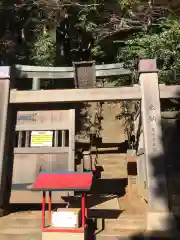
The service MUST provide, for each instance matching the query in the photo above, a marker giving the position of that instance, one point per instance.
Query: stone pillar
(6, 136)
(158, 218)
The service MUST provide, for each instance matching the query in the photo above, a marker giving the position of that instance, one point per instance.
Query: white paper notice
(41, 138)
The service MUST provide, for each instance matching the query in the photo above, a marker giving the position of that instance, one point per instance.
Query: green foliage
(128, 5)
(163, 44)
(87, 17)
(44, 50)
(97, 51)
(91, 28)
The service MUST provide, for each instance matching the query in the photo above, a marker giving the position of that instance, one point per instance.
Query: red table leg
(49, 207)
(83, 210)
(86, 214)
(43, 209)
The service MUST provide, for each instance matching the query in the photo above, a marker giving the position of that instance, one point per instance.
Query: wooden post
(36, 83)
(6, 139)
(159, 217)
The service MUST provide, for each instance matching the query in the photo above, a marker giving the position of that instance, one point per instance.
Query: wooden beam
(170, 115)
(171, 91)
(41, 150)
(88, 95)
(75, 95)
(105, 70)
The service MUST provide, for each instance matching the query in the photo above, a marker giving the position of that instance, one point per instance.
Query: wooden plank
(39, 150)
(43, 120)
(151, 118)
(25, 71)
(41, 127)
(75, 95)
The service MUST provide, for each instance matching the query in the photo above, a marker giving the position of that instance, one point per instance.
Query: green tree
(163, 43)
(44, 50)
(85, 28)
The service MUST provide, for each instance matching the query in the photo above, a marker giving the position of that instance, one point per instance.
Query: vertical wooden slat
(71, 163)
(71, 157)
(63, 137)
(67, 138)
(55, 138)
(27, 140)
(19, 139)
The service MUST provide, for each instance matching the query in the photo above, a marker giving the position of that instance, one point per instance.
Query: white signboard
(64, 219)
(41, 138)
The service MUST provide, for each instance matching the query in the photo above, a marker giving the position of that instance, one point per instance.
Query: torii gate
(149, 92)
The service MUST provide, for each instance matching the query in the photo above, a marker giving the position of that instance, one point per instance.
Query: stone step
(126, 222)
(20, 217)
(107, 203)
(135, 234)
(30, 222)
(112, 168)
(21, 226)
(20, 230)
(114, 174)
(21, 223)
(117, 235)
(27, 236)
(112, 161)
(118, 159)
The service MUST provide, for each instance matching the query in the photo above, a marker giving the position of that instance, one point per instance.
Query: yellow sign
(41, 138)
